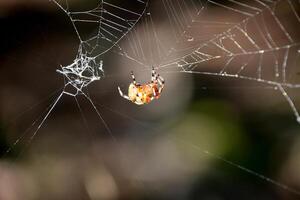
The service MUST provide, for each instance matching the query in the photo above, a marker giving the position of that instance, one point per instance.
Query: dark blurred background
(159, 148)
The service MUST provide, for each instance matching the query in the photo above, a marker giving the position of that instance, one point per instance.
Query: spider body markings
(141, 94)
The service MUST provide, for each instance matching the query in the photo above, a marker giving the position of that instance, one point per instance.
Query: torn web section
(81, 73)
(99, 27)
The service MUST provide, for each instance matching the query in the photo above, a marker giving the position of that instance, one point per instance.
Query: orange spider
(141, 94)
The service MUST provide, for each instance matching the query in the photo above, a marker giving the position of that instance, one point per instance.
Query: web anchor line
(277, 86)
(40, 125)
(214, 156)
(240, 167)
(51, 109)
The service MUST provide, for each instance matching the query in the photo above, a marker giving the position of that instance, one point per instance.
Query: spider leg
(156, 76)
(160, 80)
(154, 92)
(152, 98)
(123, 95)
(133, 78)
(160, 89)
(153, 75)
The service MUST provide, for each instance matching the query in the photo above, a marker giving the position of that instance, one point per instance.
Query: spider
(141, 94)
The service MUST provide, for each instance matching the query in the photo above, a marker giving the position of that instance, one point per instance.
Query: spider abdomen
(143, 94)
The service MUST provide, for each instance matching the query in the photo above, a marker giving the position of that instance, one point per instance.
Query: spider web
(252, 40)
(255, 42)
